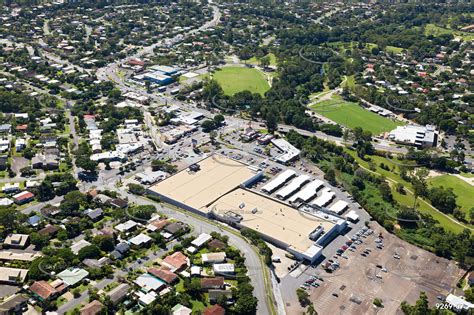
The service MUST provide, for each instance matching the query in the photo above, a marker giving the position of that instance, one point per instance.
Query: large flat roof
(272, 218)
(217, 176)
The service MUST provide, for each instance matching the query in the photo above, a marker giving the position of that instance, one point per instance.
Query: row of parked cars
(311, 282)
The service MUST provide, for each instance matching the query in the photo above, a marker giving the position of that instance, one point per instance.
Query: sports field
(352, 115)
(237, 79)
(463, 191)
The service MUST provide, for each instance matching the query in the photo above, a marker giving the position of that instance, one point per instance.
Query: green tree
(104, 242)
(421, 306)
(8, 219)
(469, 295)
(419, 184)
(219, 119)
(90, 251)
(330, 176)
(136, 189)
(265, 61)
(311, 310)
(443, 199)
(385, 191)
(115, 94)
(271, 121)
(39, 240)
(377, 302)
(208, 125)
(303, 297)
(45, 191)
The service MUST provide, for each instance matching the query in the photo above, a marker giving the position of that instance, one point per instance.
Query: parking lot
(394, 272)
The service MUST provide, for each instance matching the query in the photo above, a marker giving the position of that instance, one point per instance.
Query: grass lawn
(197, 306)
(352, 115)
(393, 49)
(255, 61)
(467, 175)
(237, 79)
(463, 191)
(61, 301)
(83, 287)
(435, 30)
(350, 82)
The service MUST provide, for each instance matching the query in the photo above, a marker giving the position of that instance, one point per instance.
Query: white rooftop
(293, 186)
(308, 192)
(326, 197)
(202, 239)
(339, 206)
(278, 181)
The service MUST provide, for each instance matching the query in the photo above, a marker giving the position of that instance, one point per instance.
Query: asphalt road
(252, 259)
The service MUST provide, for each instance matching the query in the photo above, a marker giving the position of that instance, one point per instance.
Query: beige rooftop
(272, 218)
(217, 176)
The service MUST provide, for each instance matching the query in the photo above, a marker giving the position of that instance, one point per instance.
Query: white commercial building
(280, 180)
(339, 206)
(326, 197)
(289, 151)
(420, 136)
(308, 192)
(293, 186)
(352, 216)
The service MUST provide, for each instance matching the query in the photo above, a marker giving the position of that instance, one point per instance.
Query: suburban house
(179, 309)
(140, 240)
(164, 274)
(44, 290)
(149, 283)
(212, 258)
(128, 226)
(223, 269)
(174, 227)
(212, 283)
(214, 310)
(92, 308)
(95, 214)
(48, 230)
(12, 275)
(216, 244)
(72, 276)
(18, 241)
(23, 197)
(76, 247)
(45, 162)
(175, 262)
(118, 203)
(157, 225)
(118, 293)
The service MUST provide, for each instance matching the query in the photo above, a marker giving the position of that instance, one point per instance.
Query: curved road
(202, 225)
